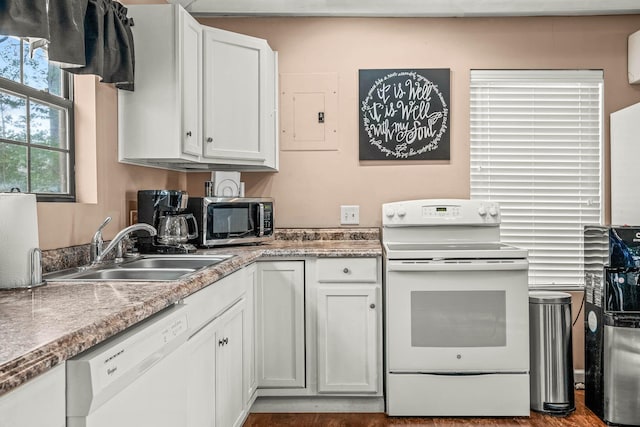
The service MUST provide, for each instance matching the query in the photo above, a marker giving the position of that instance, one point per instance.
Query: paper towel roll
(18, 238)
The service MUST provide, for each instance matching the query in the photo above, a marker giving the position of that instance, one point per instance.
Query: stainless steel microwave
(232, 220)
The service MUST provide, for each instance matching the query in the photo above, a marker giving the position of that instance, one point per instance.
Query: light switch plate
(349, 214)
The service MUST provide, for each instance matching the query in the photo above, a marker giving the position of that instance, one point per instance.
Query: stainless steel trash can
(551, 355)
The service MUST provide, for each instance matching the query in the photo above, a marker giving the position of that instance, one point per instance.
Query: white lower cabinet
(320, 334)
(347, 341)
(201, 382)
(280, 321)
(230, 395)
(40, 402)
(347, 314)
(250, 336)
(215, 390)
(218, 352)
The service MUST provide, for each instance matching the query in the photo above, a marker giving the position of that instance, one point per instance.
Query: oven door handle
(489, 265)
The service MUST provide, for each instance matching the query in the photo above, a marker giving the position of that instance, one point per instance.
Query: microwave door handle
(261, 219)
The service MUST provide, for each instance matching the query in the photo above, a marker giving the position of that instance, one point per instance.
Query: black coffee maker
(164, 210)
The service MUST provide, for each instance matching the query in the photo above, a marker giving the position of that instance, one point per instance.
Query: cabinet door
(235, 84)
(39, 402)
(201, 381)
(230, 402)
(251, 361)
(347, 346)
(191, 67)
(280, 321)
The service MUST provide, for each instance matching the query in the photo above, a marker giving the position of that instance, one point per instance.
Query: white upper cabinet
(160, 121)
(190, 36)
(239, 88)
(232, 81)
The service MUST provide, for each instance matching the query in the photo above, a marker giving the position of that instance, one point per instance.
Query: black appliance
(612, 323)
(153, 208)
(232, 220)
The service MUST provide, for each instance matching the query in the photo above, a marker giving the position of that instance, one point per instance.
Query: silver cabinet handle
(346, 270)
(189, 133)
(372, 305)
(209, 139)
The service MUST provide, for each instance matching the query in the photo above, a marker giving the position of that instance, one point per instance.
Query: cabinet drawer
(347, 270)
(208, 303)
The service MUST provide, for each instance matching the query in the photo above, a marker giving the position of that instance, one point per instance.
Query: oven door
(464, 316)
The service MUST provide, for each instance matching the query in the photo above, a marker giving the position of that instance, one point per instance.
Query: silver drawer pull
(346, 270)
(372, 305)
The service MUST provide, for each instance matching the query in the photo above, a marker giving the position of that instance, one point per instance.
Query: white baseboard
(318, 404)
(336, 404)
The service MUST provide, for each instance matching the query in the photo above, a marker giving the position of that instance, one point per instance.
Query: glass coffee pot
(177, 229)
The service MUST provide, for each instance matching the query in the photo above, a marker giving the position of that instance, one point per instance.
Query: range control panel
(440, 212)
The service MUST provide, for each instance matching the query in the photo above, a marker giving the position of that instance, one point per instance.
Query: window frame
(64, 101)
(480, 188)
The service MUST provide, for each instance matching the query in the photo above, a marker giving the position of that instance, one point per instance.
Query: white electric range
(456, 310)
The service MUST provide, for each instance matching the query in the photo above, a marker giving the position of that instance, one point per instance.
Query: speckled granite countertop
(42, 327)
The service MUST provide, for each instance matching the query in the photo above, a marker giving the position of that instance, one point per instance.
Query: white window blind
(536, 149)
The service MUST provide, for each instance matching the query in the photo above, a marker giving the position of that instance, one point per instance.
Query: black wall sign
(404, 114)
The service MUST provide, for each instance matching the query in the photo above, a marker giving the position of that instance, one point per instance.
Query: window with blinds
(536, 149)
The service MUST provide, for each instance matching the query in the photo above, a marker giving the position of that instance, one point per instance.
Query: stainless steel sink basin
(182, 261)
(135, 274)
(145, 268)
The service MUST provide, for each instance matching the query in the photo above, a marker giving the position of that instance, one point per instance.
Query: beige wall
(105, 186)
(311, 186)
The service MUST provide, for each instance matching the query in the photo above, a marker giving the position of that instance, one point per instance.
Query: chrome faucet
(97, 253)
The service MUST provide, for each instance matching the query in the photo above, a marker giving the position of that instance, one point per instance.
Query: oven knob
(402, 212)
(493, 211)
(389, 212)
(482, 211)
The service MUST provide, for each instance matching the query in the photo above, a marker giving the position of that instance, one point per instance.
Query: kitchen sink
(135, 274)
(182, 261)
(145, 268)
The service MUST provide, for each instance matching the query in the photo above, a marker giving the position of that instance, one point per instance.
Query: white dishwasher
(135, 379)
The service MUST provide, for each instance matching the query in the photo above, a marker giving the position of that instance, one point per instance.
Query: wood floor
(582, 417)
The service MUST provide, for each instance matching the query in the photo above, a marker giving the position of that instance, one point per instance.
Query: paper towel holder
(36, 272)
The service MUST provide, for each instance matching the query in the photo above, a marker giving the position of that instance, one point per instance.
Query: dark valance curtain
(84, 36)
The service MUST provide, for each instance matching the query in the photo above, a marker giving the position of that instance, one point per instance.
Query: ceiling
(405, 8)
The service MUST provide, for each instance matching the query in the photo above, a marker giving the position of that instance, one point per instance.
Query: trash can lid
(548, 297)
